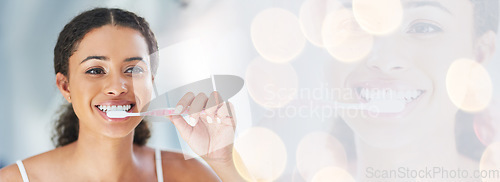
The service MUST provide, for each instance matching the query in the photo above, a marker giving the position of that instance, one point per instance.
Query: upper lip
(383, 84)
(115, 103)
(394, 85)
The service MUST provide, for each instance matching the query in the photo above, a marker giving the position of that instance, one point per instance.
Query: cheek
(436, 59)
(142, 88)
(80, 90)
(336, 73)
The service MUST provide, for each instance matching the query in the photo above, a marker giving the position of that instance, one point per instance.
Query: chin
(120, 130)
(385, 142)
(390, 134)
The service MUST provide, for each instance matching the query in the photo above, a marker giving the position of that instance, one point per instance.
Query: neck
(109, 158)
(434, 149)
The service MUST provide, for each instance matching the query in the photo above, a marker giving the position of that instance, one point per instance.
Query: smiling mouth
(107, 108)
(372, 94)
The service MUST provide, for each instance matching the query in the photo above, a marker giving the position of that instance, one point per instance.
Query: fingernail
(178, 109)
(218, 120)
(209, 119)
(192, 121)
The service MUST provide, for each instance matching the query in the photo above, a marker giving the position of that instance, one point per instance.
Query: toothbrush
(378, 106)
(157, 112)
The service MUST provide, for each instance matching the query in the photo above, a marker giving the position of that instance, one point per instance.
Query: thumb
(181, 125)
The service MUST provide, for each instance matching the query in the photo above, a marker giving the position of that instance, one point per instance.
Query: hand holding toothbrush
(209, 129)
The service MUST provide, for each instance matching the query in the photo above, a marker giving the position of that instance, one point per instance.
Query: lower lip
(105, 116)
(408, 108)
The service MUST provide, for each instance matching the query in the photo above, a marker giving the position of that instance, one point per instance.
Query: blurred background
(218, 36)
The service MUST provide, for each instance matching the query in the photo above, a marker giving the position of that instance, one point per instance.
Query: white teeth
(114, 108)
(389, 94)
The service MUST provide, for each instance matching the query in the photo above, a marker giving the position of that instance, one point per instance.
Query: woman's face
(410, 64)
(110, 70)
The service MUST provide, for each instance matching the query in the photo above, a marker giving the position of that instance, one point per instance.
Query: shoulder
(467, 163)
(47, 159)
(185, 168)
(36, 166)
(10, 173)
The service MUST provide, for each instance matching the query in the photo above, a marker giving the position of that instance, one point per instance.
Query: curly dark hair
(485, 16)
(67, 126)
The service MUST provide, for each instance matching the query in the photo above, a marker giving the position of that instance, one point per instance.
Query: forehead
(445, 5)
(113, 39)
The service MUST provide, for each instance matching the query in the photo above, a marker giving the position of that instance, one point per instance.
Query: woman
(97, 58)
(410, 64)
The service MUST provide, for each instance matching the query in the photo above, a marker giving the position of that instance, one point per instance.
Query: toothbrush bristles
(116, 114)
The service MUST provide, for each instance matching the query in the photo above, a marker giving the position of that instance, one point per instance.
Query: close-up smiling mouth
(370, 94)
(106, 108)
(378, 92)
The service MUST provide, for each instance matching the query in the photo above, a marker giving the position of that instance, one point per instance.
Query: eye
(134, 70)
(95, 71)
(424, 28)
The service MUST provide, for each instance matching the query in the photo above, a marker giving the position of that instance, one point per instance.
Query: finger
(214, 102)
(178, 121)
(185, 101)
(226, 113)
(196, 108)
(182, 126)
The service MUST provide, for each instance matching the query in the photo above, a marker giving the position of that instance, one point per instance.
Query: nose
(387, 57)
(116, 86)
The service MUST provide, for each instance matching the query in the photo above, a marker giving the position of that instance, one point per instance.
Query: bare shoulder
(468, 163)
(10, 173)
(176, 166)
(37, 166)
(47, 159)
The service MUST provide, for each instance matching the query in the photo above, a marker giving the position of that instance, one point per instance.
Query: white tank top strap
(24, 175)
(159, 166)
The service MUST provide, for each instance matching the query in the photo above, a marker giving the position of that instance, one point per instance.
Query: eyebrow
(104, 58)
(417, 4)
(135, 59)
(412, 4)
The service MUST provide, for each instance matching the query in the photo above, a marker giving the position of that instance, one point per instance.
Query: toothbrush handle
(162, 112)
(340, 105)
